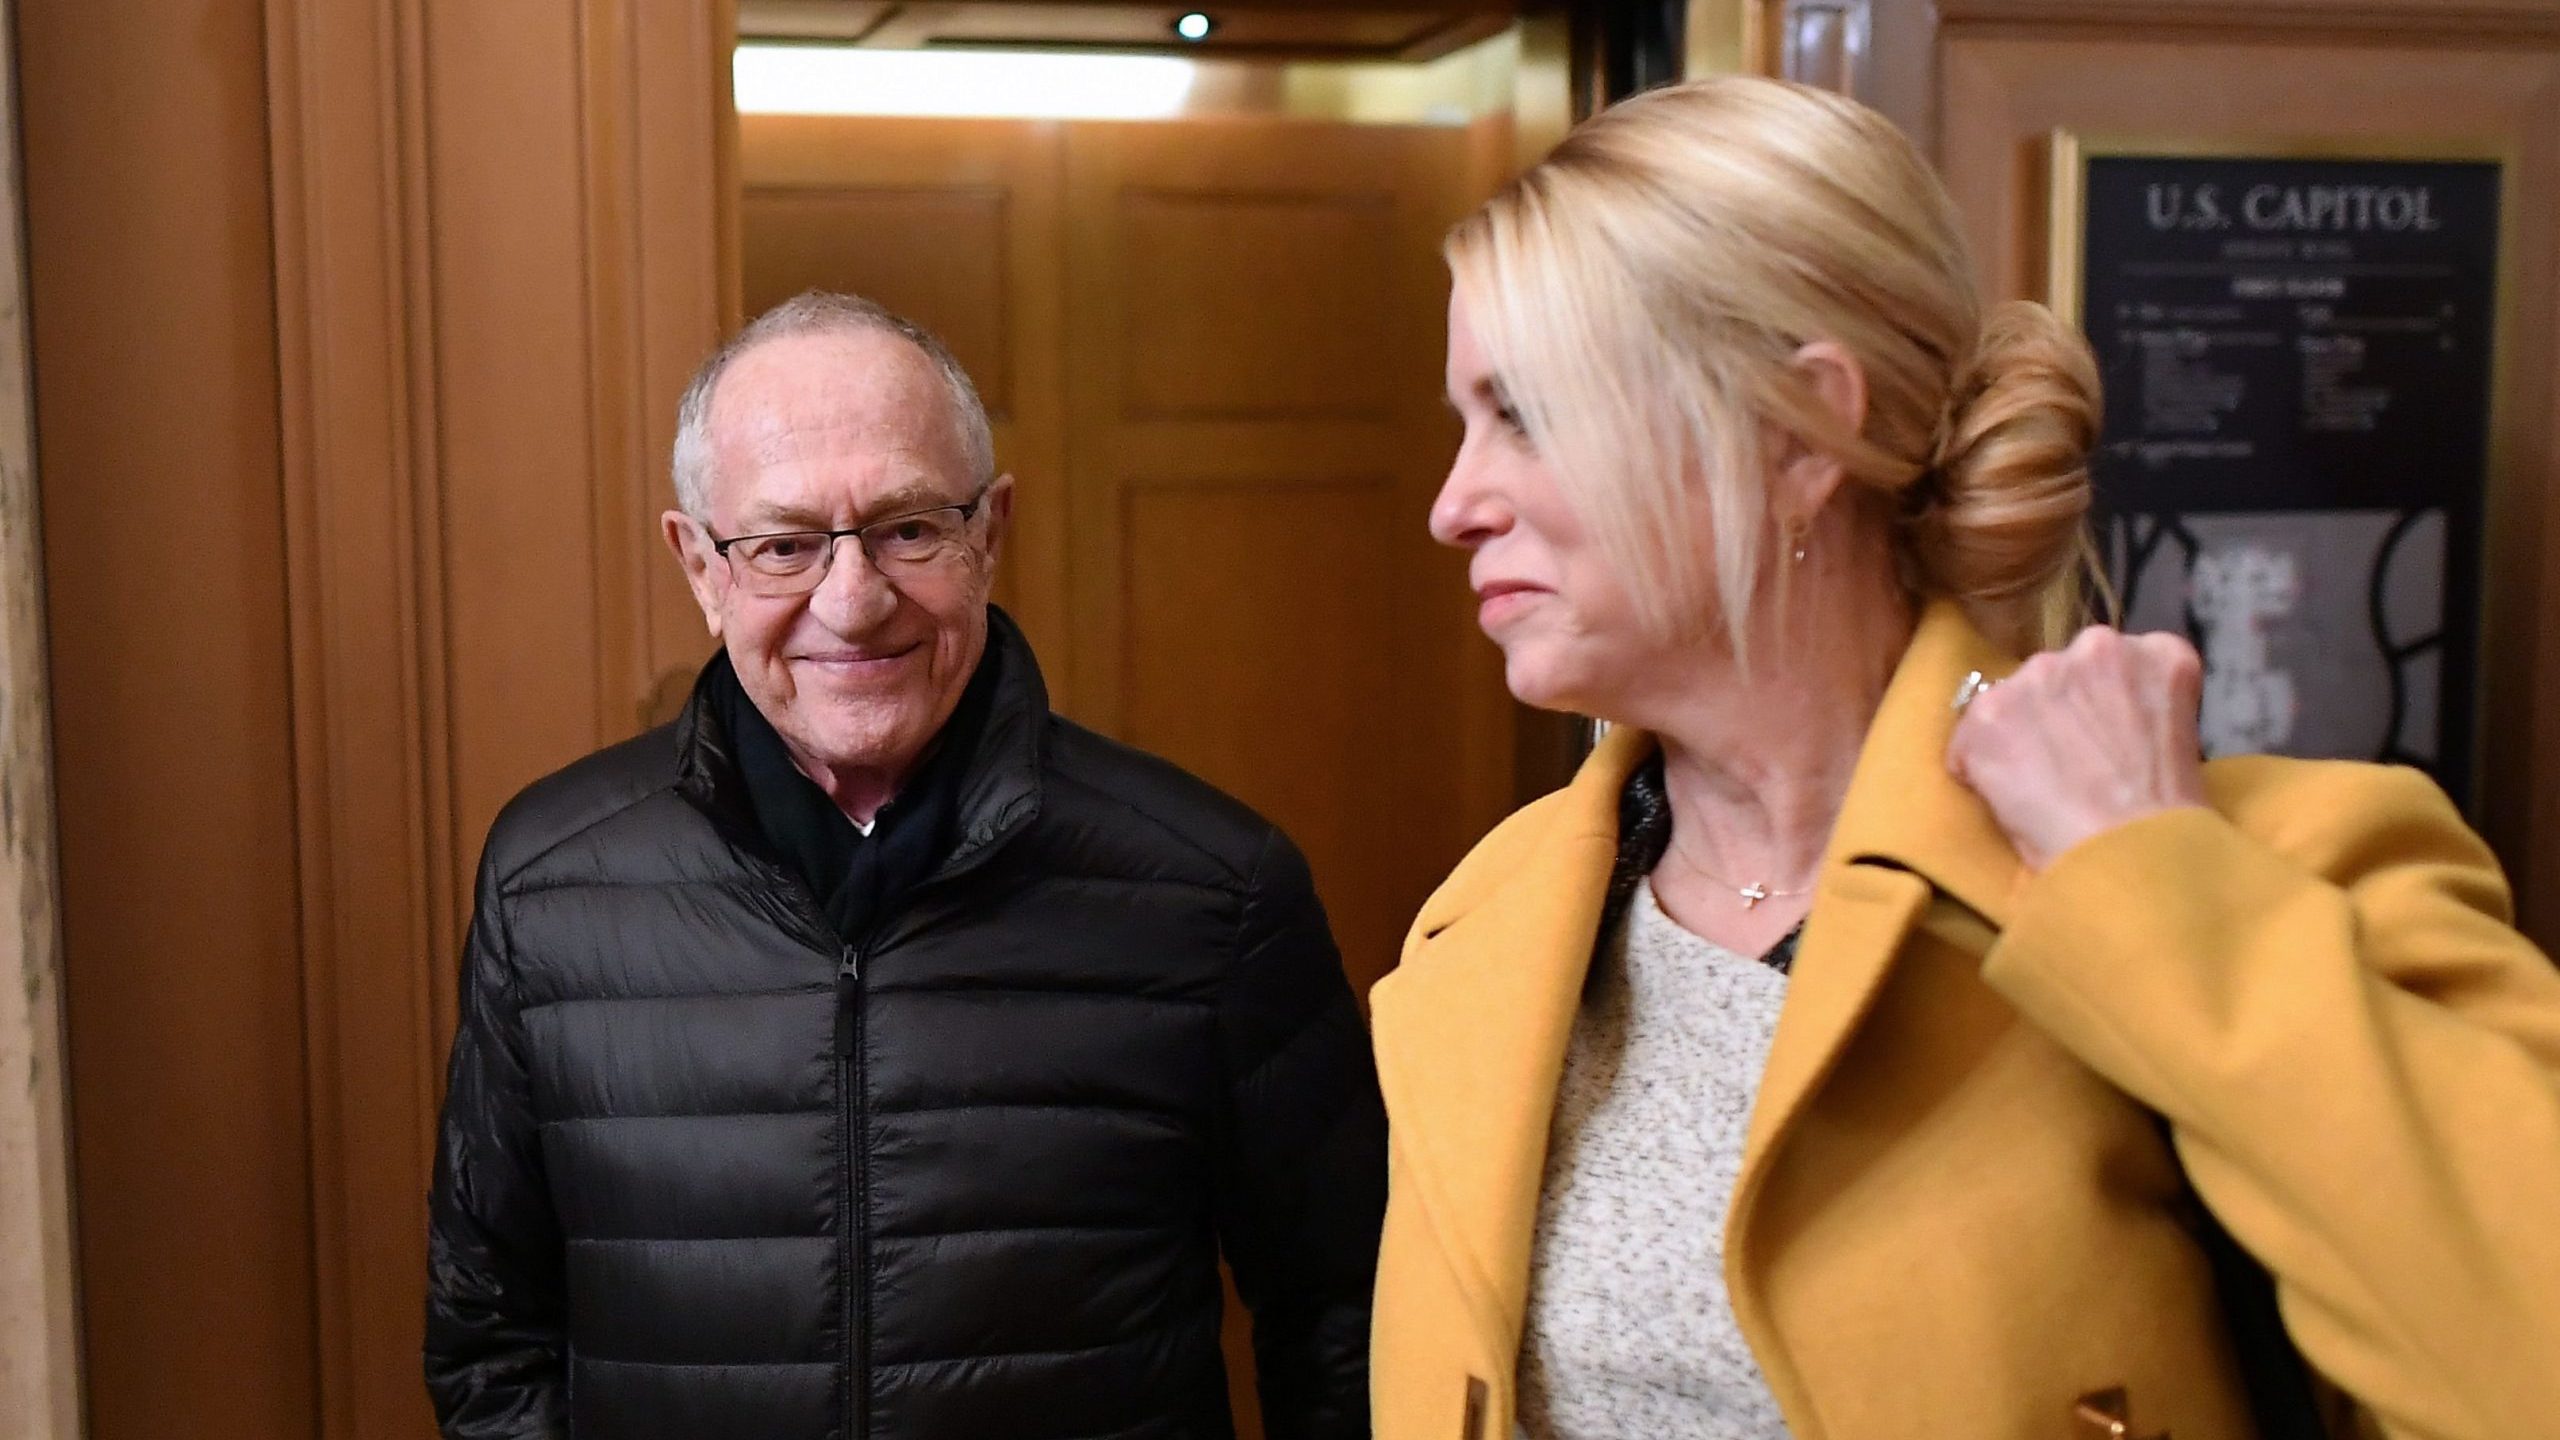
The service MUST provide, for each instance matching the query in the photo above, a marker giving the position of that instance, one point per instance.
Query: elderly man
(872, 1053)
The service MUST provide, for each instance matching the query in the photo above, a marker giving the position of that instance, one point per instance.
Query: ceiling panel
(811, 19)
(1323, 28)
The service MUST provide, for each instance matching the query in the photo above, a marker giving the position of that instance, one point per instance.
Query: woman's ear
(1836, 379)
(1809, 474)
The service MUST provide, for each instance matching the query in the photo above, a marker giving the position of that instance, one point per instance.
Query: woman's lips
(1503, 599)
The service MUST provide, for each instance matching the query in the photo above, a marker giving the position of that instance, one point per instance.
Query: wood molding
(363, 570)
(661, 107)
(374, 308)
(617, 432)
(1910, 39)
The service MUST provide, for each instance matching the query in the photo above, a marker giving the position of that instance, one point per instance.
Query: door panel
(1255, 306)
(1255, 433)
(1258, 597)
(941, 249)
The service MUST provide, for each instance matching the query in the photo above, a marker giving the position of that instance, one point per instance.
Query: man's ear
(999, 518)
(692, 546)
(1808, 475)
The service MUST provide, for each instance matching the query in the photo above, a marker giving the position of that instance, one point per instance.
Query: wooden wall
(153, 311)
(358, 326)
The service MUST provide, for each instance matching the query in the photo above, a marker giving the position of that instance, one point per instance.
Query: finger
(2095, 640)
(2171, 655)
(1973, 731)
(2172, 675)
(2162, 647)
(2111, 654)
(2034, 677)
(1960, 741)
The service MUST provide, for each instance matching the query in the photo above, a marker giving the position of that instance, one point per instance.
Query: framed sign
(2296, 466)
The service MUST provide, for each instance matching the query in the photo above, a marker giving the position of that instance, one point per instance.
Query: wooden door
(1254, 342)
(1255, 313)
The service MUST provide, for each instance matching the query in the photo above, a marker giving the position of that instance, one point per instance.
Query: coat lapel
(1907, 830)
(1472, 1028)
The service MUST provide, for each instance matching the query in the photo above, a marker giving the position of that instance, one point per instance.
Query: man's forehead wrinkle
(876, 394)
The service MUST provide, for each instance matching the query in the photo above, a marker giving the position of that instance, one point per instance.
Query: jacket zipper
(852, 1235)
(853, 1179)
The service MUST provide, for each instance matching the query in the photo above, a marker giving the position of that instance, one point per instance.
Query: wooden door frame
(1907, 37)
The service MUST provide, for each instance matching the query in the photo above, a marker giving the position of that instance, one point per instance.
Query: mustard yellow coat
(1957, 1215)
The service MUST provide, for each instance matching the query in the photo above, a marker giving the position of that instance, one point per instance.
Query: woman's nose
(1468, 511)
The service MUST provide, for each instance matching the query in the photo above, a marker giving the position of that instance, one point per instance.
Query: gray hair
(820, 312)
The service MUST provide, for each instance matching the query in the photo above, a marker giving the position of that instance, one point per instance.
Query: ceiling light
(841, 80)
(1195, 26)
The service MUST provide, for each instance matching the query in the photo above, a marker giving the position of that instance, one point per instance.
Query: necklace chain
(1753, 893)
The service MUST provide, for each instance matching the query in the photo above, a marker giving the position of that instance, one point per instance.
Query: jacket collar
(1904, 808)
(998, 788)
(1472, 1031)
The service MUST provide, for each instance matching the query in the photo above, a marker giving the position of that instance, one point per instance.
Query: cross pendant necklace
(1753, 893)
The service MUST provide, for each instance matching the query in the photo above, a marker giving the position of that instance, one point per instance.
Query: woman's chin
(1541, 686)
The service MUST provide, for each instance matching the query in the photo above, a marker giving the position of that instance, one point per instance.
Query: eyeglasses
(789, 562)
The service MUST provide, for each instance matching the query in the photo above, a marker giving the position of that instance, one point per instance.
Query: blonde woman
(1855, 1051)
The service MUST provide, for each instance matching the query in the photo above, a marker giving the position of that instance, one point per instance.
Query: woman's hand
(2085, 739)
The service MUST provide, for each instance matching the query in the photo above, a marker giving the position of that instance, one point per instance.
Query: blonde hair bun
(1999, 519)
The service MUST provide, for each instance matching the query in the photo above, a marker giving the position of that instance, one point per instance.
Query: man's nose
(1468, 511)
(853, 595)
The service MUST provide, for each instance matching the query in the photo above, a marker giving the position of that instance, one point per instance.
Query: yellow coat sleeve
(2318, 985)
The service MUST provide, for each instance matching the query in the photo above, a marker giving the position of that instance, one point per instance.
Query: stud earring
(1796, 532)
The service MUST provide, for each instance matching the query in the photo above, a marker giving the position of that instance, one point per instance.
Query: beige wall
(39, 1349)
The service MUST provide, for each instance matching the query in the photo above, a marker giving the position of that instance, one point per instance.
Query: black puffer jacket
(1106, 1039)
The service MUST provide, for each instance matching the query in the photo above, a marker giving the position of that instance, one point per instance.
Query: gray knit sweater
(1630, 1332)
